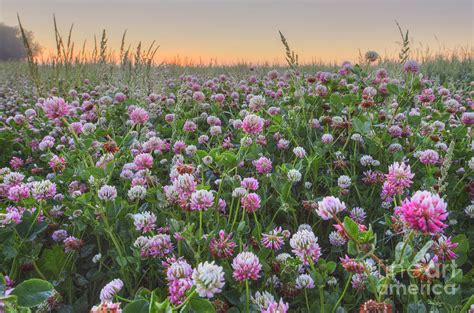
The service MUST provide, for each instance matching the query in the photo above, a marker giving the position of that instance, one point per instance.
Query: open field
(135, 187)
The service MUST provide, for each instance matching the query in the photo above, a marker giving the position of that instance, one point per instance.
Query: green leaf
(351, 248)
(32, 292)
(361, 125)
(201, 305)
(138, 306)
(335, 99)
(52, 261)
(348, 99)
(393, 89)
(159, 307)
(351, 227)
(331, 266)
(422, 252)
(228, 159)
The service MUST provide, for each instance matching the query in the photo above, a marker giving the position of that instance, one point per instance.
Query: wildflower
(107, 193)
(372, 306)
(256, 103)
(327, 138)
(185, 185)
(222, 246)
(469, 210)
(352, 265)
(359, 281)
(246, 265)
(107, 307)
(299, 152)
(371, 56)
(42, 190)
(18, 192)
(144, 222)
(252, 124)
(201, 200)
(443, 249)
(13, 178)
(304, 281)
(55, 108)
(358, 214)
(263, 165)
(72, 243)
(250, 202)
(426, 270)
(277, 307)
(189, 127)
(110, 290)
(294, 176)
(424, 212)
(304, 244)
(208, 279)
(138, 116)
(400, 176)
(344, 182)
(16, 163)
(199, 96)
(273, 240)
(136, 193)
(249, 183)
(156, 246)
(59, 235)
(143, 161)
(263, 299)
(467, 118)
(96, 258)
(336, 239)
(411, 66)
(429, 157)
(330, 206)
(57, 164)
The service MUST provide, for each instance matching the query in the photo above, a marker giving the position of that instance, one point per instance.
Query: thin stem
(410, 237)
(342, 294)
(306, 298)
(247, 296)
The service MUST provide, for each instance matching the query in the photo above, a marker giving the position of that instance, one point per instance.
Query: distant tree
(12, 47)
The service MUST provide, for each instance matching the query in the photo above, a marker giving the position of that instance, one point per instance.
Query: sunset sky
(243, 30)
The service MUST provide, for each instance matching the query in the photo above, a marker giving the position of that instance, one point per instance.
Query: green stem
(247, 296)
(306, 298)
(342, 294)
(39, 271)
(410, 237)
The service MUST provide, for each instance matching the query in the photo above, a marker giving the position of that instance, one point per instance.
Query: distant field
(142, 187)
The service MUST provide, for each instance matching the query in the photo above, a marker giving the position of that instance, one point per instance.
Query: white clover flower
(208, 279)
(471, 163)
(366, 160)
(136, 193)
(97, 258)
(263, 299)
(107, 193)
(357, 138)
(282, 257)
(239, 192)
(299, 152)
(294, 176)
(344, 182)
(330, 206)
(304, 281)
(469, 210)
